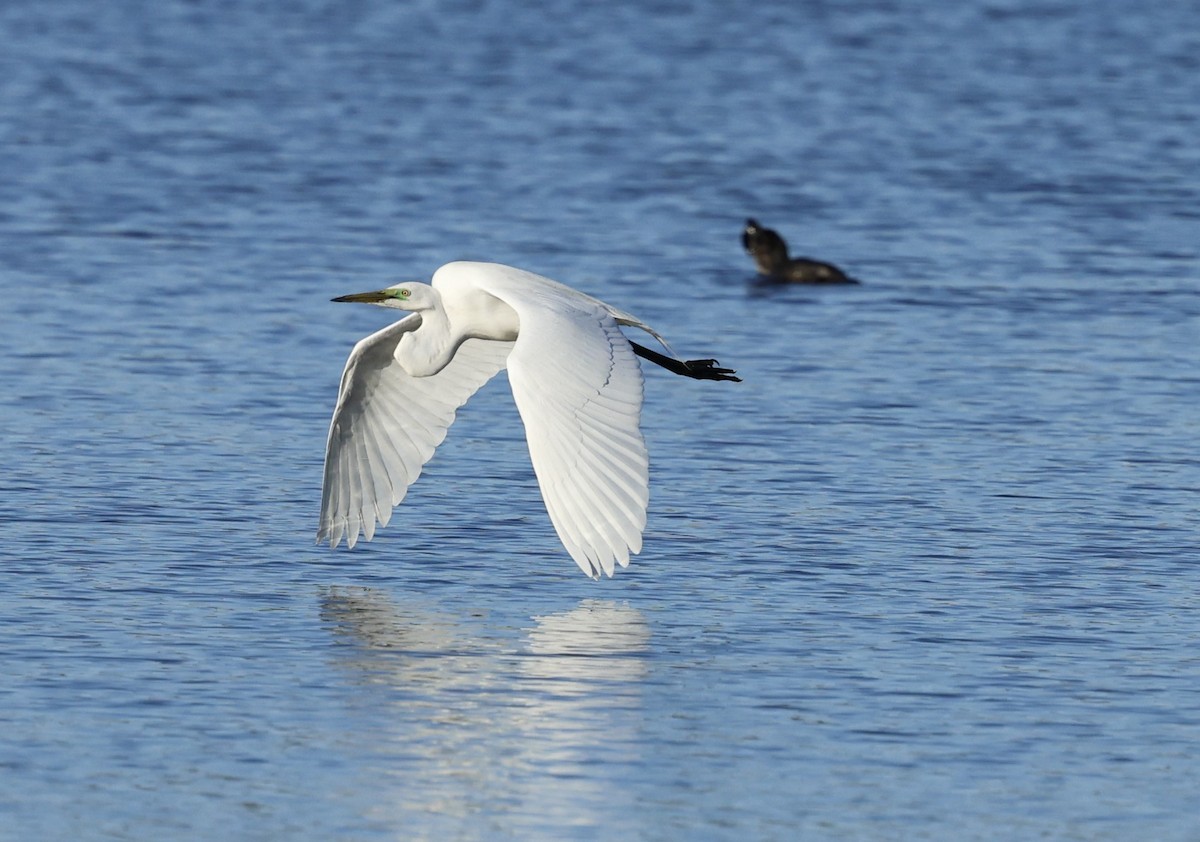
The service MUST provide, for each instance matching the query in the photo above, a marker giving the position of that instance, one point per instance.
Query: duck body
(770, 253)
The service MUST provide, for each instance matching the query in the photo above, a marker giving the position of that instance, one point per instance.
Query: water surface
(927, 573)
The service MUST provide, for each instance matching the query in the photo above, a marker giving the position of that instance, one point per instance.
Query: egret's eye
(403, 293)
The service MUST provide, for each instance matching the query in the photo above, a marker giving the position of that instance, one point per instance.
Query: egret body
(575, 381)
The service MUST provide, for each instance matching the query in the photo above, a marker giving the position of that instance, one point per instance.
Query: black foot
(709, 370)
(696, 369)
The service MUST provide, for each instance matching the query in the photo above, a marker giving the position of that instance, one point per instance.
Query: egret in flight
(575, 381)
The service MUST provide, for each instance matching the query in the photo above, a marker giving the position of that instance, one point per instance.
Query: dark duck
(770, 254)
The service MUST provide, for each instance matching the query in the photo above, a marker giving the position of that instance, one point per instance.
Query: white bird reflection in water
(598, 640)
(476, 724)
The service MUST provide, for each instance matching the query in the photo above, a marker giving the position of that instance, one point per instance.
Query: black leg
(697, 369)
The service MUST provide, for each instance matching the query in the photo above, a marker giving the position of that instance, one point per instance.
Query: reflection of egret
(370, 619)
(574, 378)
(476, 726)
(598, 640)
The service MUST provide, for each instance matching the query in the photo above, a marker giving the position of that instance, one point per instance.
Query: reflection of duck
(770, 255)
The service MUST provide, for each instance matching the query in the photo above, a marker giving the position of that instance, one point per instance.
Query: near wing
(387, 425)
(578, 387)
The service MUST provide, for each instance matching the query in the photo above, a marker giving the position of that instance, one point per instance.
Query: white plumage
(574, 377)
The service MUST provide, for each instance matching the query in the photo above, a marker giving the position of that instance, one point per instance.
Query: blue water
(929, 572)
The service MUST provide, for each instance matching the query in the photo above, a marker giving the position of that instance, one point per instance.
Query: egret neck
(430, 348)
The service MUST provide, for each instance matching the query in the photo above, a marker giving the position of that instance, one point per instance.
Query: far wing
(387, 425)
(578, 388)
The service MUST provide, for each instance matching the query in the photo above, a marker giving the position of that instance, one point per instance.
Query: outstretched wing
(578, 387)
(387, 425)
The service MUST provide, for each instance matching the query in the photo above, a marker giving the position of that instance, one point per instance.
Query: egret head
(412, 295)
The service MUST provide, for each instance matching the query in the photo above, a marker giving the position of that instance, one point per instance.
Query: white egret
(574, 379)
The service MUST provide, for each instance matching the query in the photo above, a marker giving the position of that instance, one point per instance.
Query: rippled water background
(930, 572)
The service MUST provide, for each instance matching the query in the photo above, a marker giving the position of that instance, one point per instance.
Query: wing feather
(387, 424)
(578, 387)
